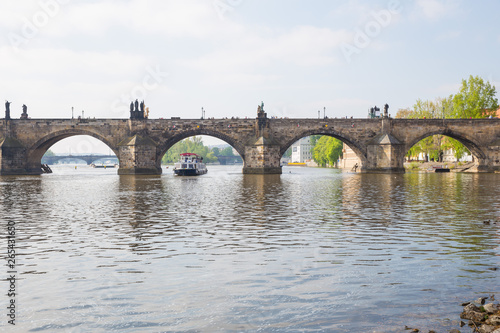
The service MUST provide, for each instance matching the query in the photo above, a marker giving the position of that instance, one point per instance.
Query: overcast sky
(229, 55)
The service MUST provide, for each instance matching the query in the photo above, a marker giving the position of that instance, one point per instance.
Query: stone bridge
(140, 144)
(89, 159)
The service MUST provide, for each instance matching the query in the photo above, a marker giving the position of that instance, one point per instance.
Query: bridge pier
(262, 158)
(385, 154)
(137, 156)
(13, 159)
(491, 162)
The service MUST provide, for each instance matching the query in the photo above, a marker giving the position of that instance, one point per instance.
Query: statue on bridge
(7, 109)
(386, 110)
(141, 113)
(374, 112)
(260, 111)
(24, 115)
(262, 117)
(260, 108)
(135, 112)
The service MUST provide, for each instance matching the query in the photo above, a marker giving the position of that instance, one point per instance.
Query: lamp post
(319, 113)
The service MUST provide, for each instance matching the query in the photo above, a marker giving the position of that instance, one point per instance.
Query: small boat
(190, 164)
(104, 166)
(440, 168)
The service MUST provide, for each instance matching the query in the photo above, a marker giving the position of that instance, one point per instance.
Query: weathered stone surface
(472, 312)
(491, 308)
(137, 156)
(486, 329)
(493, 320)
(380, 144)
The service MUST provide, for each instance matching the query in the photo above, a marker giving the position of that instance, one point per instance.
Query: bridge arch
(166, 145)
(36, 151)
(473, 147)
(360, 152)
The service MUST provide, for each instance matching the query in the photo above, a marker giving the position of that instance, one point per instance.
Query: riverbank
(431, 166)
(482, 317)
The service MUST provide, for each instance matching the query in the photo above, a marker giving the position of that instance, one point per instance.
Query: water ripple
(310, 250)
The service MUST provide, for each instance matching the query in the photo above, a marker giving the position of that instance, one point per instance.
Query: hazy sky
(229, 55)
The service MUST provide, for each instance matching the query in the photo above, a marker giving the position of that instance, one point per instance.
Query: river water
(310, 250)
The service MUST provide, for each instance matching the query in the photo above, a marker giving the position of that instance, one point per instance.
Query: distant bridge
(223, 160)
(89, 159)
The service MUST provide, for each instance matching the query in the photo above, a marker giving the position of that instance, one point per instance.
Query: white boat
(190, 164)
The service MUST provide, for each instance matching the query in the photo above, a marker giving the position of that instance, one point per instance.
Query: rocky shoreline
(482, 317)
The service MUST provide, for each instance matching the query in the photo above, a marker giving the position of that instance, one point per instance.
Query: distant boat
(103, 166)
(438, 168)
(190, 164)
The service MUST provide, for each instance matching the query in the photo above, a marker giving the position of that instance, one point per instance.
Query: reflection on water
(308, 250)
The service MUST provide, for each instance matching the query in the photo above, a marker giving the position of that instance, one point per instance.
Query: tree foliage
(189, 145)
(423, 109)
(476, 99)
(49, 153)
(327, 150)
(228, 151)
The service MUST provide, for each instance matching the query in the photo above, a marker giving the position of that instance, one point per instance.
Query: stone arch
(38, 149)
(473, 147)
(358, 150)
(166, 145)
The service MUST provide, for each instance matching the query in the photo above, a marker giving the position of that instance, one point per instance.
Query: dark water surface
(310, 250)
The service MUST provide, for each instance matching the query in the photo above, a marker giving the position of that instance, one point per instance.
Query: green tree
(327, 150)
(49, 153)
(459, 149)
(313, 139)
(476, 99)
(404, 113)
(228, 151)
(189, 145)
(430, 146)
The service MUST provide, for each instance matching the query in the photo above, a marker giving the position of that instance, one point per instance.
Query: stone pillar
(490, 162)
(385, 154)
(262, 157)
(137, 156)
(13, 159)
